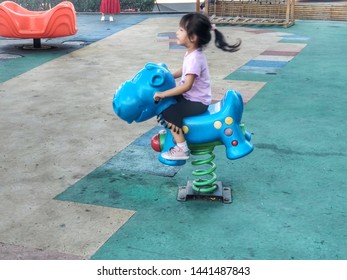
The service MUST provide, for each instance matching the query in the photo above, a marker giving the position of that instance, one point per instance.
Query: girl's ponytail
(222, 44)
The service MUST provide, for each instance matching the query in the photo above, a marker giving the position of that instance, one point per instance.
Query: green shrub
(86, 5)
(137, 5)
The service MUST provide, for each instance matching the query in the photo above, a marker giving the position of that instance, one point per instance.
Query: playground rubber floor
(76, 182)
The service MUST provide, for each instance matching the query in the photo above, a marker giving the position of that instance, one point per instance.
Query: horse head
(133, 101)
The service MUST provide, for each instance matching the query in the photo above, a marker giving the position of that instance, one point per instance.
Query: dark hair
(198, 24)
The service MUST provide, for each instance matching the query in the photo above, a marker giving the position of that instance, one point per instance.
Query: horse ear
(163, 65)
(150, 66)
(157, 79)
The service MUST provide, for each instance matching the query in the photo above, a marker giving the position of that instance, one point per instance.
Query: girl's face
(183, 39)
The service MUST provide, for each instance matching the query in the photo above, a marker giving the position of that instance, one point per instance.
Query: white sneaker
(176, 153)
(102, 18)
(111, 18)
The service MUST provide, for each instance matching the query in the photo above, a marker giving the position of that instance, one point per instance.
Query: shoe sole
(180, 158)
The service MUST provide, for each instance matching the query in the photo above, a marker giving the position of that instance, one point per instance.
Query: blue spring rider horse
(220, 125)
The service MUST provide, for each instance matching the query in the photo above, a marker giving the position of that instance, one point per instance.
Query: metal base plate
(41, 47)
(221, 193)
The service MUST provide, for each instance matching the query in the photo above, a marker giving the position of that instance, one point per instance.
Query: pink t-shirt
(195, 63)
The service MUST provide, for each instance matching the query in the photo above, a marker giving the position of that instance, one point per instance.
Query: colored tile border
(269, 62)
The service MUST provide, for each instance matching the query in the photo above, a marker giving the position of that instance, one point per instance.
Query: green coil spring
(204, 185)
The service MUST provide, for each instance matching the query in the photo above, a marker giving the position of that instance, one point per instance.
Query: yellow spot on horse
(185, 129)
(228, 120)
(217, 124)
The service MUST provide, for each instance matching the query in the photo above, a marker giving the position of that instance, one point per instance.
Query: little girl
(193, 93)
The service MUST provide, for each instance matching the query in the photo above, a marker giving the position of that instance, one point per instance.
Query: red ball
(155, 143)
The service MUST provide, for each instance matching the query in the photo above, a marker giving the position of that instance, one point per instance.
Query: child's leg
(181, 150)
(173, 117)
(179, 138)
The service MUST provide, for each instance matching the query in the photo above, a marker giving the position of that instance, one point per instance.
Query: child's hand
(157, 97)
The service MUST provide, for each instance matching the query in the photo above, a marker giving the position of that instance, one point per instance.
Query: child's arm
(180, 89)
(177, 73)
